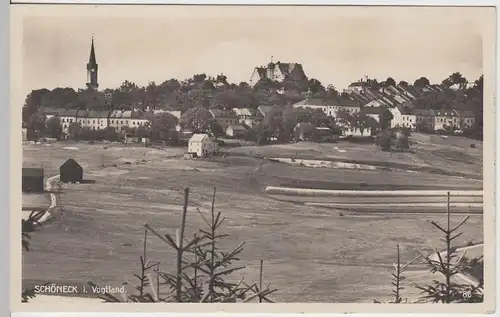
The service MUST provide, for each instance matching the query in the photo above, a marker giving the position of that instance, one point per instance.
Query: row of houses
(362, 97)
(420, 119)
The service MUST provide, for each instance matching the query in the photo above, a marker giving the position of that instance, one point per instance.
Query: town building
(201, 145)
(70, 172)
(236, 131)
(403, 117)
(358, 86)
(356, 132)
(372, 112)
(249, 117)
(224, 118)
(32, 180)
(329, 106)
(425, 120)
(277, 72)
(446, 119)
(466, 119)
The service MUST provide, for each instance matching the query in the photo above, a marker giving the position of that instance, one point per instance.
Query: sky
(335, 45)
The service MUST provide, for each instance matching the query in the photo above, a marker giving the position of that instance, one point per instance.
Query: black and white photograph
(255, 154)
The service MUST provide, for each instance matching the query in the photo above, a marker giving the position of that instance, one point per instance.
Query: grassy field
(311, 254)
(429, 153)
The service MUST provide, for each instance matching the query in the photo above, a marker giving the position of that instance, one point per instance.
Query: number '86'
(466, 294)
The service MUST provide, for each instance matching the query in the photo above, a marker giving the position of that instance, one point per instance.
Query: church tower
(92, 69)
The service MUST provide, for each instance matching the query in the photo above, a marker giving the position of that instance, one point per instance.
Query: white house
(201, 145)
(403, 117)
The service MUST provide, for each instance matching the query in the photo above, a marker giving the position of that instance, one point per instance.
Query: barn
(70, 172)
(32, 180)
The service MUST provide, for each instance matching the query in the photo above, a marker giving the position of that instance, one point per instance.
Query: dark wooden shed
(32, 180)
(70, 172)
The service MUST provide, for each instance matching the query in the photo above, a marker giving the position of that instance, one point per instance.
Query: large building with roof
(277, 71)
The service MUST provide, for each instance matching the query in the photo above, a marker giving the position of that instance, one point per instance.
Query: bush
(383, 140)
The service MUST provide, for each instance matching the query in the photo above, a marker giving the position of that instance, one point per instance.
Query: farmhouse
(70, 172)
(236, 131)
(32, 180)
(201, 145)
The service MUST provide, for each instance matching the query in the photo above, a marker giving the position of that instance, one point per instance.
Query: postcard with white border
(253, 158)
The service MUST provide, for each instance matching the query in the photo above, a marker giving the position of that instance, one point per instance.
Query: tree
(345, 120)
(162, 126)
(110, 134)
(402, 142)
(198, 119)
(53, 128)
(36, 124)
(383, 140)
(421, 82)
(385, 118)
(390, 81)
(272, 126)
(74, 131)
(331, 92)
(455, 78)
(315, 86)
(216, 129)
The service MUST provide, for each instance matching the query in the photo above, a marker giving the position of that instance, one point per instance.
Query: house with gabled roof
(236, 131)
(224, 117)
(248, 116)
(403, 116)
(264, 110)
(329, 106)
(201, 145)
(277, 71)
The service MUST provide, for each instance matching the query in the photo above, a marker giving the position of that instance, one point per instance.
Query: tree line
(196, 95)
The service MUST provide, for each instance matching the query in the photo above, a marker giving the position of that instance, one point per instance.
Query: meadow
(311, 254)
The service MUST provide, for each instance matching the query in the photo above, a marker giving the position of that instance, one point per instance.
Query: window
(121, 121)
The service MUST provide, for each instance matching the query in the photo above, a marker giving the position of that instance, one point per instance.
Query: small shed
(32, 180)
(71, 172)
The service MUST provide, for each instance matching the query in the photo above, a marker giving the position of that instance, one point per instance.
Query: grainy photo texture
(253, 155)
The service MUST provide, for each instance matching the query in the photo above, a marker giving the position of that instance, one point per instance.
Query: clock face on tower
(92, 70)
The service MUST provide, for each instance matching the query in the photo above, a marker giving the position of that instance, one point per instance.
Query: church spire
(92, 59)
(92, 68)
